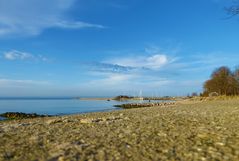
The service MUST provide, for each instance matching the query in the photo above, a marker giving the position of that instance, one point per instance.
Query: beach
(188, 130)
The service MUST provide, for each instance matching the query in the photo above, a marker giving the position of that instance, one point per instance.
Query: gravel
(187, 131)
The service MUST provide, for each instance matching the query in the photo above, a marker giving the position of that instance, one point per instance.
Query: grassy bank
(196, 130)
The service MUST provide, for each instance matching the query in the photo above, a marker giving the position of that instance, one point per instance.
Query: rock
(97, 120)
(219, 144)
(86, 121)
(54, 121)
(61, 158)
(162, 134)
(24, 124)
(21, 115)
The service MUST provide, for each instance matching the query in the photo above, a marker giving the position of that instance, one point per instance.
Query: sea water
(58, 106)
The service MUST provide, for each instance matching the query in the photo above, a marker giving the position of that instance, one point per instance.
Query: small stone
(127, 131)
(97, 120)
(120, 135)
(104, 119)
(24, 124)
(199, 149)
(126, 118)
(219, 143)
(162, 134)
(61, 158)
(67, 120)
(86, 121)
(202, 136)
(54, 121)
(101, 155)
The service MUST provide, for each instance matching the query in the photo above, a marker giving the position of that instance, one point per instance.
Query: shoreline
(22, 115)
(94, 99)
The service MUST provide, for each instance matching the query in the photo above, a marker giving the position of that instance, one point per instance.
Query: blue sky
(112, 47)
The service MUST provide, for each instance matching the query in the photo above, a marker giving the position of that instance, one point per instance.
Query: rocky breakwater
(140, 105)
(20, 115)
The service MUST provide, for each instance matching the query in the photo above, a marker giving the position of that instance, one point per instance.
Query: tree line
(223, 81)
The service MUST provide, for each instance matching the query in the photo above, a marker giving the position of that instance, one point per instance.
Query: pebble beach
(203, 130)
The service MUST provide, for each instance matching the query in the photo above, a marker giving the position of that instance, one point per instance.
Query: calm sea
(56, 106)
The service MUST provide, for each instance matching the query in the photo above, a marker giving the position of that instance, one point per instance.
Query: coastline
(189, 130)
(94, 99)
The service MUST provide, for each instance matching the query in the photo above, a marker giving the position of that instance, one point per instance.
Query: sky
(112, 47)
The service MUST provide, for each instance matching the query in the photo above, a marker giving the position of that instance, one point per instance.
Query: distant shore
(94, 99)
(189, 130)
(130, 98)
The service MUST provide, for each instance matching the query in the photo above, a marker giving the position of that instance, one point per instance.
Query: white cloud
(75, 25)
(31, 17)
(18, 55)
(14, 55)
(156, 61)
(151, 62)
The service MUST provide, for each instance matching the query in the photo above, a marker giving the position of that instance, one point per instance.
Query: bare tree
(236, 73)
(222, 81)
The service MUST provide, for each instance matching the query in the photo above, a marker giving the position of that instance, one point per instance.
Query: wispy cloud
(153, 62)
(109, 68)
(18, 55)
(14, 55)
(204, 62)
(32, 17)
(76, 25)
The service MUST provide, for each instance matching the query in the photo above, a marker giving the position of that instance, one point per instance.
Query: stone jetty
(140, 105)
